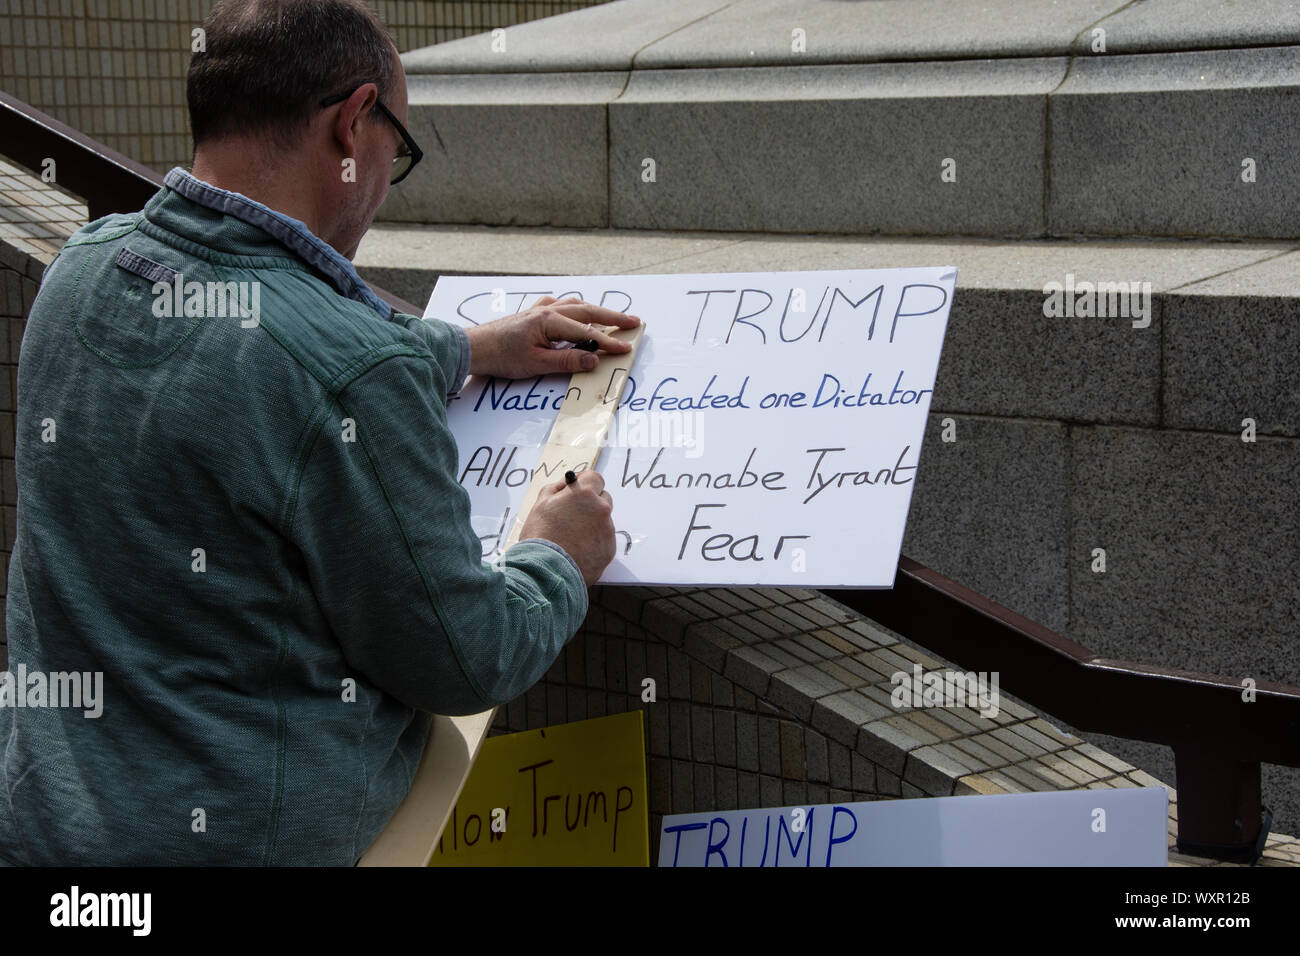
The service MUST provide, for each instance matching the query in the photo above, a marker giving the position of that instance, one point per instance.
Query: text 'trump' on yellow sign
(569, 795)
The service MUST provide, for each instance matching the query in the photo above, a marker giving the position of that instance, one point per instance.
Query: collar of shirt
(293, 234)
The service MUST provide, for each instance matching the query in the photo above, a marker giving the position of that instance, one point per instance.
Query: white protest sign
(1127, 827)
(769, 432)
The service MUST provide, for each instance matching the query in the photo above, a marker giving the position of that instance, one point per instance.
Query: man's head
(255, 97)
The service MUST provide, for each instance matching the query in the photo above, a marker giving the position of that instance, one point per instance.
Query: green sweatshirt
(245, 524)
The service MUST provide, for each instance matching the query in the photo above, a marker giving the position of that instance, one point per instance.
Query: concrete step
(1202, 356)
(937, 117)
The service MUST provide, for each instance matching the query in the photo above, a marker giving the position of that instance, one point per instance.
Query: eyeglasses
(403, 163)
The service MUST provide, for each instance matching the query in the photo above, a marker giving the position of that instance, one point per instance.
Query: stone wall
(115, 69)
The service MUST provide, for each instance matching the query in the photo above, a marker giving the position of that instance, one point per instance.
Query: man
(248, 526)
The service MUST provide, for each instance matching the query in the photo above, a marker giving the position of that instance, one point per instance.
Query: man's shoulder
(334, 338)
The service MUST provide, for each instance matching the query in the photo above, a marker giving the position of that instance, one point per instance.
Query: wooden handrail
(1220, 734)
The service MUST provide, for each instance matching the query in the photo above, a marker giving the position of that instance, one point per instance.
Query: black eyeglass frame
(416, 153)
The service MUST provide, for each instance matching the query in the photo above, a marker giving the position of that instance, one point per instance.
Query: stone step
(1200, 355)
(927, 118)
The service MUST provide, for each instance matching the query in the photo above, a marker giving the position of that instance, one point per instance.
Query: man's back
(248, 527)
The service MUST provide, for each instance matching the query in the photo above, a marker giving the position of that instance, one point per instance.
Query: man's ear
(352, 113)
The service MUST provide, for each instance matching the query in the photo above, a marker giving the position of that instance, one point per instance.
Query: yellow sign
(568, 795)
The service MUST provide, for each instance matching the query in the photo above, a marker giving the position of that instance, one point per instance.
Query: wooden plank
(412, 835)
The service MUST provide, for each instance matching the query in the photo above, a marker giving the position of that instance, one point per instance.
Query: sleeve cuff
(462, 368)
(577, 574)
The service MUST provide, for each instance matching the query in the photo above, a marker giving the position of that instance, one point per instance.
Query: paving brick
(886, 745)
(819, 647)
(679, 675)
(926, 720)
(594, 663)
(1144, 779)
(836, 795)
(918, 657)
(958, 718)
(724, 788)
(683, 787)
(797, 652)
(936, 769)
(724, 738)
(732, 600)
(818, 794)
(1055, 733)
(1030, 781)
(535, 701)
(864, 773)
(751, 669)
(1009, 784)
(796, 689)
(888, 783)
(840, 763)
(792, 751)
(1035, 737)
(679, 728)
(769, 745)
(746, 741)
(794, 793)
(720, 689)
(555, 705)
(987, 758)
(754, 597)
(659, 782)
(700, 681)
(770, 792)
(575, 706)
(517, 714)
(747, 793)
(709, 644)
(713, 603)
(818, 769)
(875, 664)
(1021, 745)
(839, 716)
(704, 796)
(977, 783)
(744, 699)
(635, 665)
(837, 641)
(660, 728)
(793, 623)
(912, 792)
(1091, 768)
(596, 704)
(617, 704)
(702, 734)
(1102, 757)
(1052, 774)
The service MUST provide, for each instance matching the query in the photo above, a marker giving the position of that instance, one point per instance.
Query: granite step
(1004, 119)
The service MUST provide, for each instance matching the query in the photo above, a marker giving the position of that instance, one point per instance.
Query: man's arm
(383, 525)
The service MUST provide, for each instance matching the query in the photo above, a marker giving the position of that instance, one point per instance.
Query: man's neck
(234, 166)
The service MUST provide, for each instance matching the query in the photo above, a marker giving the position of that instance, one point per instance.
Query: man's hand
(519, 345)
(577, 517)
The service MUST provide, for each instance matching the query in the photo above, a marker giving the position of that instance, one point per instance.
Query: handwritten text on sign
(1127, 827)
(570, 794)
(769, 431)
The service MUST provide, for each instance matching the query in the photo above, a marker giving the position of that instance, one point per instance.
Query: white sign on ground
(1127, 827)
(769, 433)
